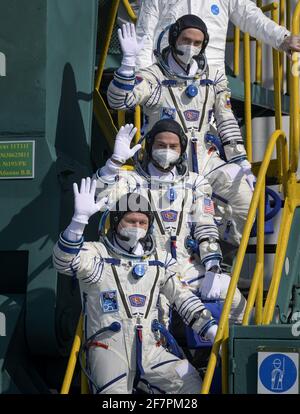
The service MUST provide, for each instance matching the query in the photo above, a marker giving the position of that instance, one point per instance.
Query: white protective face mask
(188, 52)
(164, 157)
(133, 234)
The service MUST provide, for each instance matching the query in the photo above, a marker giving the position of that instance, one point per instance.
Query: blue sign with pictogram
(278, 373)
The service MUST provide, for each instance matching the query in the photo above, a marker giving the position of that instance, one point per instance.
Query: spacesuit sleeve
(190, 308)
(205, 228)
(250, 19)
(126, 92)
(227, 126)
(78, 259)
(146, 25)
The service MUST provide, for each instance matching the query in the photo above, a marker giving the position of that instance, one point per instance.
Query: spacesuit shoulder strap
(153, 288)
(121, 291)
(181, 117)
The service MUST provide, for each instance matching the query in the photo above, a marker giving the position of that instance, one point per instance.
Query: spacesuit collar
(179, 70)
(162, 175)
(137, 250)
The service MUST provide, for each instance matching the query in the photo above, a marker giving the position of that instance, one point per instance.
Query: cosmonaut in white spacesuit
(179, 87)
(155, 15)
(120, 278)
(181, 202)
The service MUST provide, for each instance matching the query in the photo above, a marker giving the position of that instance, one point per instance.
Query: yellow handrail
(106, 41)
(294, 116)
(258, 75)
(277, 79)
(260, 254)
(236, 65)
(257, 195)
(247, 96)
(73, 358)
(137, 123)
(129, 11)
(281, 21)
(288, 26)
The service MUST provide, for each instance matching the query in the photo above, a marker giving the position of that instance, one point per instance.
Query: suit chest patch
(109, 301)
(169, 216)
(137, 301)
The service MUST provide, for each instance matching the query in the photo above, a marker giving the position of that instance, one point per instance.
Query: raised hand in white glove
(130, 46)
(122, 150)
(250, 177)
(85, 205)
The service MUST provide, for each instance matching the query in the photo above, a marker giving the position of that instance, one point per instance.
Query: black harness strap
(120, 289)
(152, 289)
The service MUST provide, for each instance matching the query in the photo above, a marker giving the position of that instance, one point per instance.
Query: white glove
(214, 286)
(211, 286)
(291, 44)
(211, 333)
(210, 336)
(250, 178)
(122, 150)
(130, 46)
(85, 205)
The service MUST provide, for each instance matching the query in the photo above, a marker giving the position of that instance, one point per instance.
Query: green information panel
(17, 159)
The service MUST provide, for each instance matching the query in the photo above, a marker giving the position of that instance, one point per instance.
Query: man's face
(134, 219)
(164, 140)
(190, 36)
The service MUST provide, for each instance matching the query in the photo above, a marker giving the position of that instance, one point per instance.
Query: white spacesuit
(155, 15)
(192, 102)
(182, 205)
(121, 277)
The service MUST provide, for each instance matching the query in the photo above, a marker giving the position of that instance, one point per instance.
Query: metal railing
(288, 159)
(65, 389)
(257, 202)
(277, 70)
(101, 111)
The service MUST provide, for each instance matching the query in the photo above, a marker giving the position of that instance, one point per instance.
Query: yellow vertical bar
(225, 359)
(281, 54)
(236, 51)
(288, 63)
(129, 11)
(247, 88)
(121, 118)
(258, 274)
(277, 97)
(72, 359)
(258, 72)
(137, 123)
(106, 41)
(294, 118)
(260, 255)
(277, 272)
